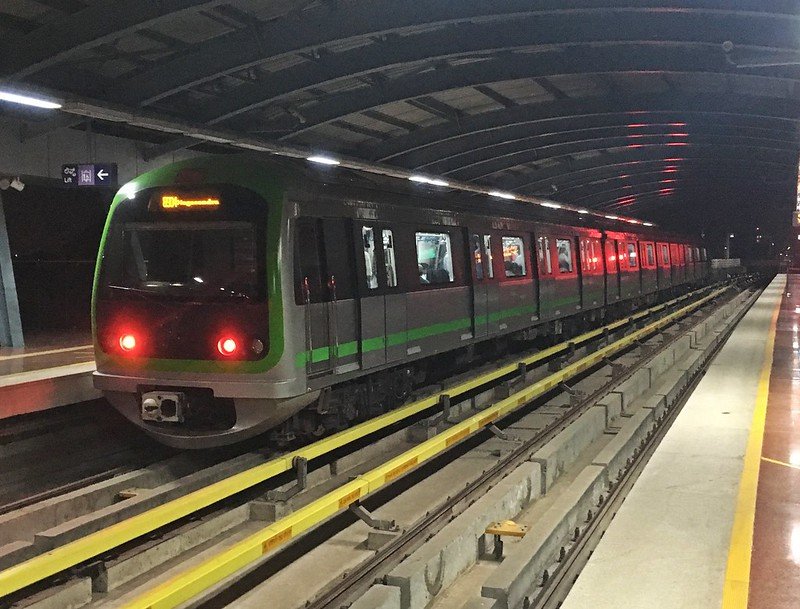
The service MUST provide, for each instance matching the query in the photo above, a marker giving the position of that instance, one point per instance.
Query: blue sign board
(89, 174)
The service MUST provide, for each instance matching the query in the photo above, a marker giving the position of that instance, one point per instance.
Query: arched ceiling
(631, 105)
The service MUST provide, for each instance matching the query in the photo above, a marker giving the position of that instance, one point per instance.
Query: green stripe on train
(321, 354)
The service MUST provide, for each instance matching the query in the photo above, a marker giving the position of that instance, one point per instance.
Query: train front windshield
(212, 261)
(160, 247)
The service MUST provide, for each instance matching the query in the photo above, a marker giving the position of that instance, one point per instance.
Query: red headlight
(227, 346)
(127, 342)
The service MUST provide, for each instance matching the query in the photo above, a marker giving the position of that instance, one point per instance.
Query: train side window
(545, 264)
(388, 258)
(611, 258)
(664, 254)
(697, 254)
(477, 255)
(434, 260)
(632, 262)
(310, 279)
(689, 254)
(651, 255)
(584, 265)
(564, 248)
(487, 248)
(370, 256)
(703, 253)
(514, 256)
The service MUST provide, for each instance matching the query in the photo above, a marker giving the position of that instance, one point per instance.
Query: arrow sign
(94, 174)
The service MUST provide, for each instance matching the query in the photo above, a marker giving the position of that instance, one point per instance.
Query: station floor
(50, 371)
(714, 519)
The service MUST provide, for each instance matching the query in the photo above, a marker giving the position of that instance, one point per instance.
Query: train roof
(303, 176)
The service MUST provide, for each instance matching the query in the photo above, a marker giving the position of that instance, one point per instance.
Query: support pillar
(10, 322)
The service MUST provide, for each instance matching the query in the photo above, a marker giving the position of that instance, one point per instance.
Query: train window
(388, 258)
(664, 254)
(370, 256)
(703, 253)
(594, 247)
(697, 254)
(545, 264)
(487, 247)
(310, 281)
(611, 258)
(689, 254)
(434, 260)
(584, 266)
(632, 263)
(564, 248)
(477, 256)
(514, 256)
(651, 255)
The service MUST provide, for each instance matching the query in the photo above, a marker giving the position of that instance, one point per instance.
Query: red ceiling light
(227, 346)
(127, 342)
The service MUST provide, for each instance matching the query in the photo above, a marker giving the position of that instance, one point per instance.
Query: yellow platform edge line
(64, 557)
(195, 580)
(736, 588)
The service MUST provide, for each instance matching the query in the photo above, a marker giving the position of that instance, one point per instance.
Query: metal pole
(10, 322)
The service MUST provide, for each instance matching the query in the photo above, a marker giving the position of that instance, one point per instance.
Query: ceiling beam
(366, 20)
(424, 144)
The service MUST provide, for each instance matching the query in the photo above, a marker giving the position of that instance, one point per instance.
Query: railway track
(41, 578)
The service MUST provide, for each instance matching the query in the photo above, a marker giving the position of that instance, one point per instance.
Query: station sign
(89, 174)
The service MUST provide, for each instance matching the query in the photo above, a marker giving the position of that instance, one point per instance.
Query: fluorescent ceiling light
(502, 195)
(583, 211)
(612, 217)
(431, 181)
(551, 205)
(26, 100)
(647, 223)
(323, 160)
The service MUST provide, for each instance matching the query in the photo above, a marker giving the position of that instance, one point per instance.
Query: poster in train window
(370, 256)
(564, 249)
(434, 260)
(514, 256)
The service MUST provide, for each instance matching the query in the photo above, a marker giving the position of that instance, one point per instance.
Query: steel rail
(39, 568)
(555, 589)
(195, 580)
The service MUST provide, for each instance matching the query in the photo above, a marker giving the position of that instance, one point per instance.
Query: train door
(612, 271)
(547, 288)
(382, 305)
(324, 278)
(664, 270)
(482, 277)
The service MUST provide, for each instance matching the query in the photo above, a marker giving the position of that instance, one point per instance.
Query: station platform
(50, 371)
(685, 535)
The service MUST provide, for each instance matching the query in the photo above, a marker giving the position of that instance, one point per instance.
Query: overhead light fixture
(583, 211)
(323, 160)
(610, 217)
(551, 205)
(502, 195)
(647, 224)
(431, 181)
(27, 100)
(17, 184)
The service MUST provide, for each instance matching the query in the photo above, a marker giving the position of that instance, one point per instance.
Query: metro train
(235, 295)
